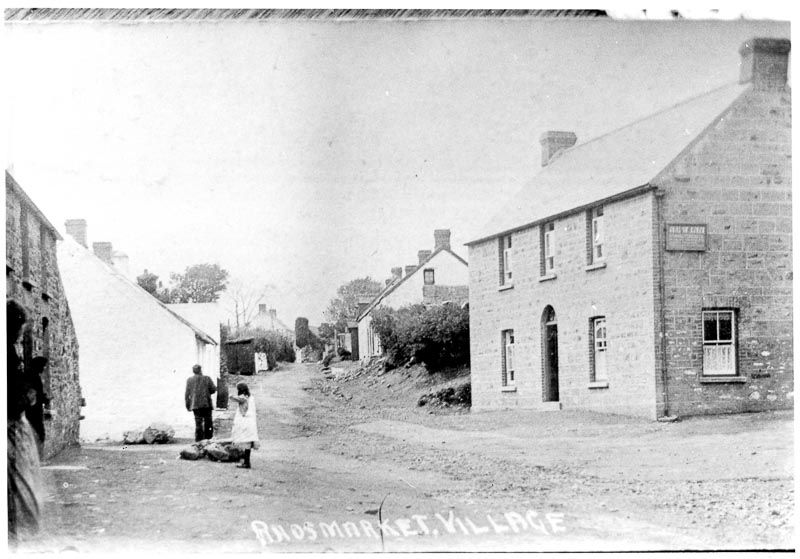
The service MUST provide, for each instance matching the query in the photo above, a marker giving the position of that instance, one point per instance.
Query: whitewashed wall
(135, 356)
(448, 270)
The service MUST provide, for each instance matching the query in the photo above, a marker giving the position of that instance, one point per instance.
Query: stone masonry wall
(737, 180)
(49, 322)
(437, 294)
(622, 291)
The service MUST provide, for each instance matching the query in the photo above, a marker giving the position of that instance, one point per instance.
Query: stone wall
(622, 291)
(736, 181)
(32, 279)
(438, 294)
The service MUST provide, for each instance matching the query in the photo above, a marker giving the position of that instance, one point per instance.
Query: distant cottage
(439, 276)
(33, 280)
(136, 353)
(267, 319)
(648, 271)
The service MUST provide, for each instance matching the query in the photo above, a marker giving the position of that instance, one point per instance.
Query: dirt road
(333, 451)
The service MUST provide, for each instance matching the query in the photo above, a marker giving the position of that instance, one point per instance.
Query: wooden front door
(550, 351)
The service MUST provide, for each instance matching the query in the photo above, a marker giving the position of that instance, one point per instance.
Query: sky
(304, 154)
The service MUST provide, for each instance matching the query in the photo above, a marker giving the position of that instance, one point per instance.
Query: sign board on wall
(686, 236)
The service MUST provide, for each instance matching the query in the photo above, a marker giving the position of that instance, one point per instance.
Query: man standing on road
(199, 389)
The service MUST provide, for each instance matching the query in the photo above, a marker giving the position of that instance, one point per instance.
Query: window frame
(425, 274)
(548, 248)
(718, 342)
(594, 324)
(596, 235)
(508, 374)
(506, 260)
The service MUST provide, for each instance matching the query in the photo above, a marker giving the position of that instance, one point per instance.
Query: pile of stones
(218, 450)
(156, 433)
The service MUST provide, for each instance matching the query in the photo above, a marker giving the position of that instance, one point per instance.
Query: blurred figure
(24, 503)
(36, 400)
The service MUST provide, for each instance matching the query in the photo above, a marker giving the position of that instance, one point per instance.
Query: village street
(332, 451)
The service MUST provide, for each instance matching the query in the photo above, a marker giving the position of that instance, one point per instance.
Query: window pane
(709, 327)
(725, 326)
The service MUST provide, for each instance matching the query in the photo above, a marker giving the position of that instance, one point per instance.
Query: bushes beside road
(437, 336)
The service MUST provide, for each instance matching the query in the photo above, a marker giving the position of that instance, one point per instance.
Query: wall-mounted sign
(684, 236)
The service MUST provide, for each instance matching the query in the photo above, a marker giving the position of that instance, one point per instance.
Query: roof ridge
(650, 115)
(391, 287)
(125, 279)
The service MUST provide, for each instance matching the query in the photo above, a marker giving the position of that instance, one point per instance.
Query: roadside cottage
(33, 280)
(439, 276)
(209, 317)
(648, 271)
(268, 320)
(136, 353)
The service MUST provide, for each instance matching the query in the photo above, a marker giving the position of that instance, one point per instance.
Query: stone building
(648, 271)
(439, 276)
(33, 280)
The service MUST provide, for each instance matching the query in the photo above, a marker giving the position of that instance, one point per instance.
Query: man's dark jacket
(199, 389)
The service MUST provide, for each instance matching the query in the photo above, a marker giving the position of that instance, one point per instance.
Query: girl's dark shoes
(247, 466)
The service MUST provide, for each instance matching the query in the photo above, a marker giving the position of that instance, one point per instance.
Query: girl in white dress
(245, 431)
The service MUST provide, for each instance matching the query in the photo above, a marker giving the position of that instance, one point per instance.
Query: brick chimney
(273, 314)
(363, 303)
(410, 269)
(423, 255)
(765, 62)
(76, 228)
(441, 239)
(103, 251)
(262, 308)
(120, 261)
(554, 141)
(397, 272)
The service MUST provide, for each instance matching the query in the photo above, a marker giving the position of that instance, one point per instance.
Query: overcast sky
(308, 153)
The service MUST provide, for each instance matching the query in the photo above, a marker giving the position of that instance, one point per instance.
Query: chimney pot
(554, 141)
(423, 255)
(441, 239)
(765, 62)
(388, 282)
(103, 251)
(76, 228)
(410, 269)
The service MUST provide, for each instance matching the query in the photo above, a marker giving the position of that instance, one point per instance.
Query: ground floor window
(719, 342)
(599, 348)
(508, 378)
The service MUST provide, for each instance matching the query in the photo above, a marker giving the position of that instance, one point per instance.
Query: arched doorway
(549, 355)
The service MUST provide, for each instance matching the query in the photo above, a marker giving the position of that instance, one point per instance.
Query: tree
(302, 335)
(327, 333)
(242, 300)
(344, 306)
(150, 283)
(201, 283)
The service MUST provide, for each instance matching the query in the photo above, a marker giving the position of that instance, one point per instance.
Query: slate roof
(624, 160)
(398, 282)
